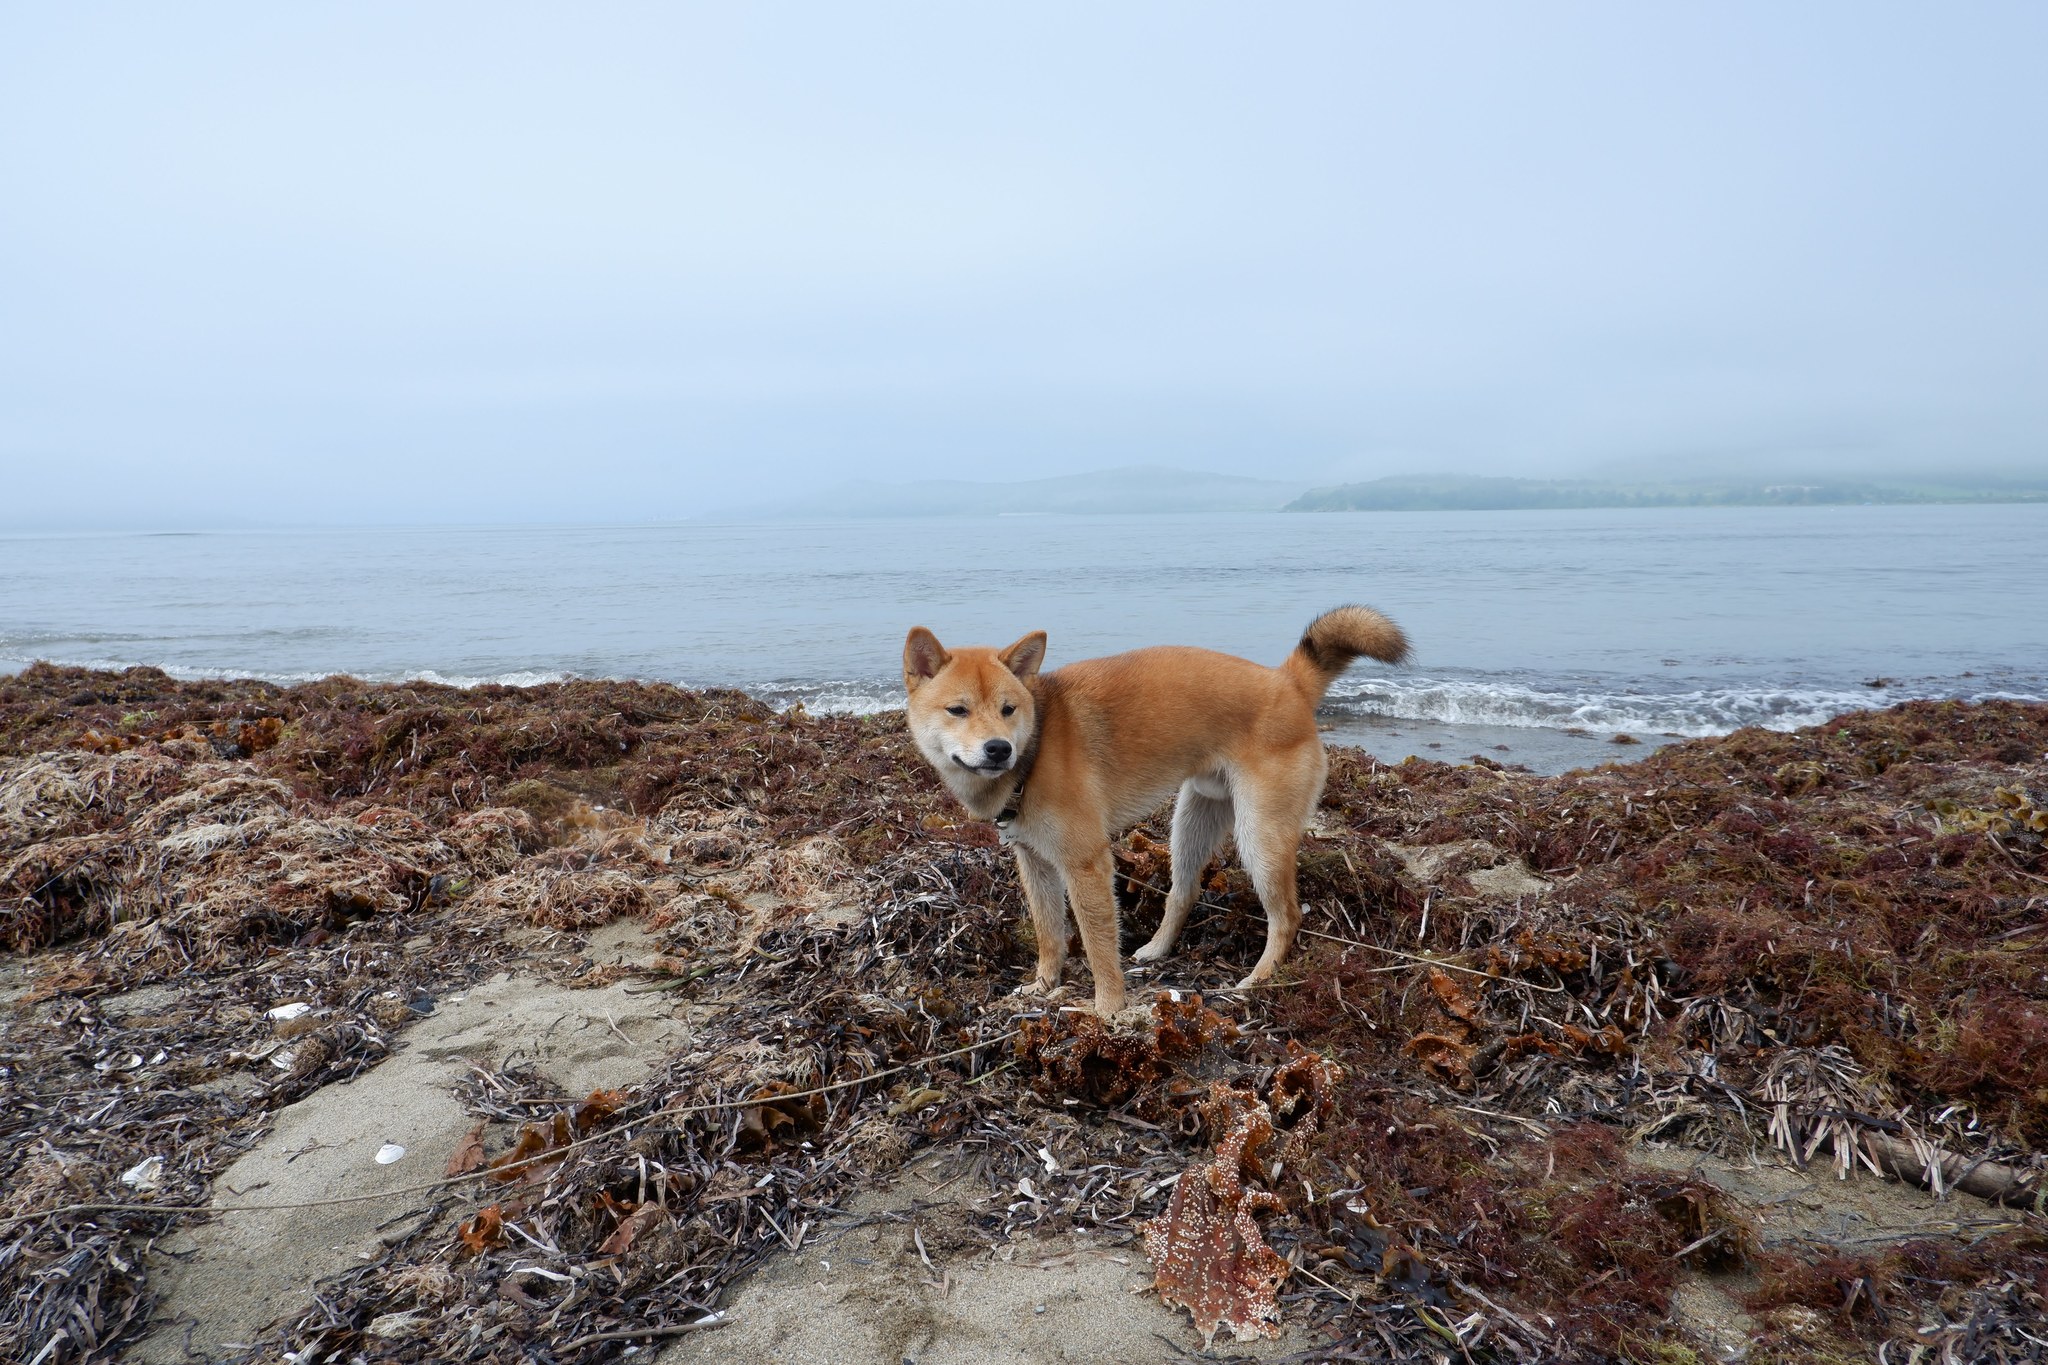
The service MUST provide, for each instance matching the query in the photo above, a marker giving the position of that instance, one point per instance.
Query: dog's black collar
(1007, 816)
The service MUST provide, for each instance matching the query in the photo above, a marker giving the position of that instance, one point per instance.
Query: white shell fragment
(145, 1175)
(290, 1011)
(389, 1153)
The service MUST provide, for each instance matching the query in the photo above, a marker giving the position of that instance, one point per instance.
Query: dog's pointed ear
(1024, 657)
(923, 657)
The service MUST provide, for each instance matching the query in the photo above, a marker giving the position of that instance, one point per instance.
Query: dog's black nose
(997, 750)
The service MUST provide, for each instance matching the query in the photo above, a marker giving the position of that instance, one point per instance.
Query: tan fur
(1115, 737)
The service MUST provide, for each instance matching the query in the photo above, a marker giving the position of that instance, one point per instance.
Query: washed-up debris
(1206, 1249)
(1077, 1053)
(392, 1326)
(1828, 944)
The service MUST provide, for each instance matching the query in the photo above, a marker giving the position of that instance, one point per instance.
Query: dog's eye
(956, 710)
(1009, 708)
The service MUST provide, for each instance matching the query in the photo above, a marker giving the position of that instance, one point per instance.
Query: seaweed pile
(1419, 1144)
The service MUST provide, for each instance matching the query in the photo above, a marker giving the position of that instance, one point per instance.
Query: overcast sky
(497, 262)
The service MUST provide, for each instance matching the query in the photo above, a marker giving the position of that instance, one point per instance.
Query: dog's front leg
(1200, 825)
(1092, 888)
(1045, 891)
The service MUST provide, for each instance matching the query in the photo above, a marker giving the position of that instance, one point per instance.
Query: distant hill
(1134, 488)
(1460, 493)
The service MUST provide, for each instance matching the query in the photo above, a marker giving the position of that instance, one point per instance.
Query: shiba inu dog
(1065, 761)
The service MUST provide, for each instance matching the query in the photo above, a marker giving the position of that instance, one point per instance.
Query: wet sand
(1540, 750)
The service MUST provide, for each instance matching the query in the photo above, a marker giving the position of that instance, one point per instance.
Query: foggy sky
(488, 262)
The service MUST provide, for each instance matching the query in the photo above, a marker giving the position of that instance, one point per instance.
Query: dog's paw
(1155, 951)
(1254, 981)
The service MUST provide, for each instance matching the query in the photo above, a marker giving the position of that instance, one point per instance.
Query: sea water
(1538, 636)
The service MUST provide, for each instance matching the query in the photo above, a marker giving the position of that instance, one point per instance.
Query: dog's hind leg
(1270, 815)
(1200, 824)
(1045, 891)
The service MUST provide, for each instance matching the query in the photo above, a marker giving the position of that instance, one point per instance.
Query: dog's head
(970, 710)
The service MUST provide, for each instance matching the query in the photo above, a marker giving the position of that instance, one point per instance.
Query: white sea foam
(837, 697)
(1593, 705)
(1598, 709)
(525, 677)
(1693, 713)
(186, 673)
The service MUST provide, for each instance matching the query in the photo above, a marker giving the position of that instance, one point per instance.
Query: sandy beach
(603, 1021)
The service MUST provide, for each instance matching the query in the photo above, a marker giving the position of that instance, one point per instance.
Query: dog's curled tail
(1337, 637)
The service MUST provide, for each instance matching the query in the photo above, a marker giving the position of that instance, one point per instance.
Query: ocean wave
(1610, 709)
(838, 697)
(1598, 706)
(1693, 713)
(526, 677)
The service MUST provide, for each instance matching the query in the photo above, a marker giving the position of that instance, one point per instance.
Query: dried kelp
(1077, 1053)
(1831, 942)
(1206, 1249)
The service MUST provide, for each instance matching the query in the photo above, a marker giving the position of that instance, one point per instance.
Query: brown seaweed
(1830, 941)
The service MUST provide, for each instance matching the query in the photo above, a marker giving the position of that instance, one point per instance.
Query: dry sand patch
(1790, 1206)
(905, 1280)
(225, 1281)
(16, 979)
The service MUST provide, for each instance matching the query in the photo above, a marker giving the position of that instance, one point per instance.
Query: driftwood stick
(1989, 1180)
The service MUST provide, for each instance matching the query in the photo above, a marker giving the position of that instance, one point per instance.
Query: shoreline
(1544, 750)
(1540, 748)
